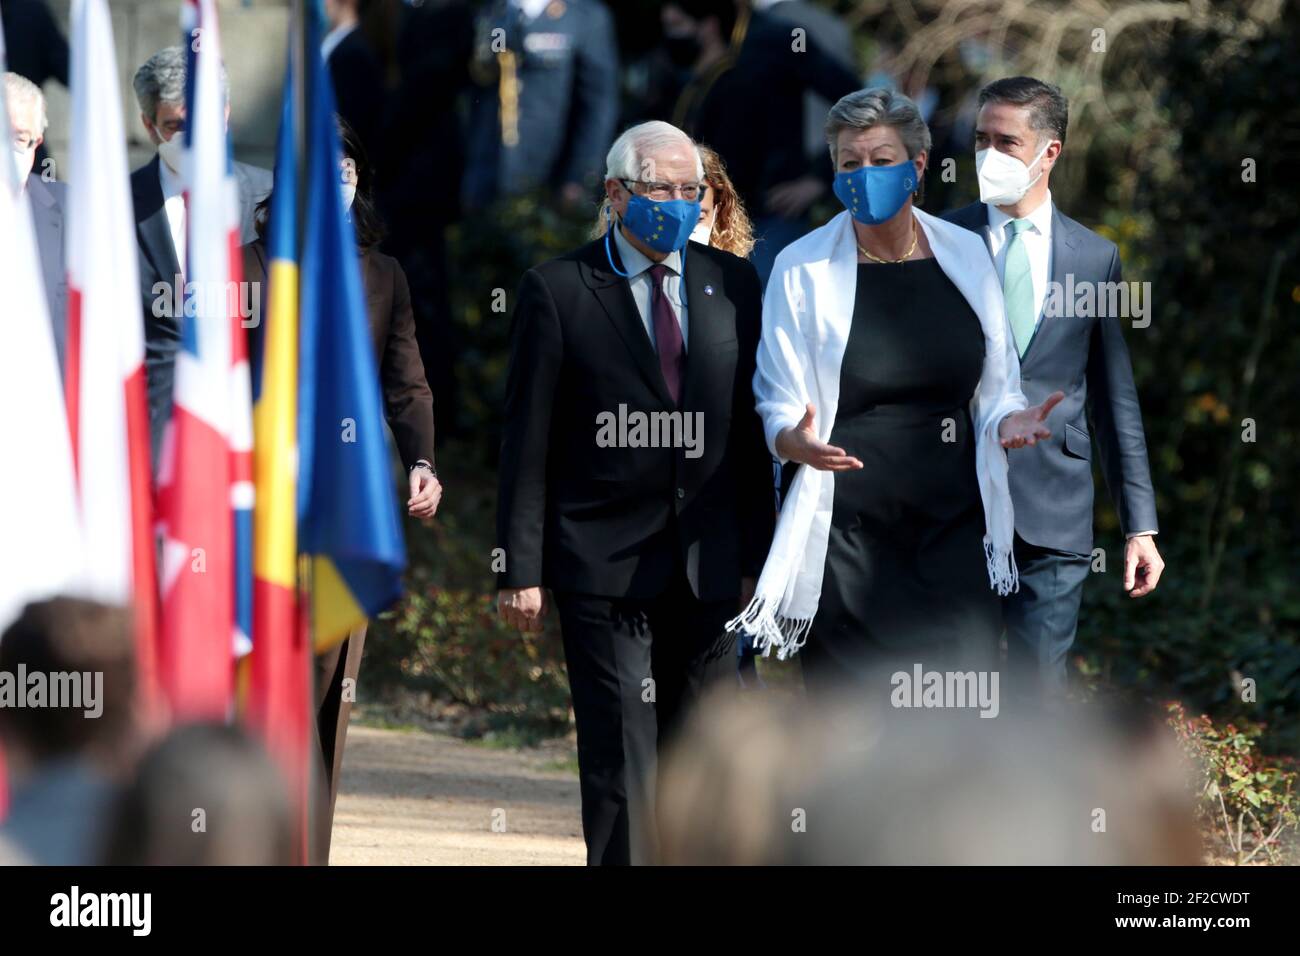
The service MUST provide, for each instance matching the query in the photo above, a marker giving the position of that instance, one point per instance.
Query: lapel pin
(708, 290)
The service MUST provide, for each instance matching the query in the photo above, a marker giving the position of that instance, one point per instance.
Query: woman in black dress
(886, 373)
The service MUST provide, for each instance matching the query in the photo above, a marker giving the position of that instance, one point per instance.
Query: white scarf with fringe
(807, 313)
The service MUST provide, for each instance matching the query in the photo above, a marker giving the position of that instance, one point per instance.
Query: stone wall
(253, 38)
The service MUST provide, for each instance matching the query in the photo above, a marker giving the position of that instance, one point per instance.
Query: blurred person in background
(360, 80)
(64, 761)
(35, 48)
(157, 194)
(645, 546)
(1019, 136)
(546, 100)
(28, 118)
(420, 167)
(762, 780)
(205, 795)
(745, 98)
(885, 372)
(408, 408)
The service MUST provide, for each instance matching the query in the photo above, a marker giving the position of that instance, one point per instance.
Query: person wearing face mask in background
(647, 539)
(1019, 135)
(157, 195)
(28, 118)
(886, 372)
(408, 408)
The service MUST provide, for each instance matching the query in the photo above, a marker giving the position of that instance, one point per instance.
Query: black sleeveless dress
(906, 580)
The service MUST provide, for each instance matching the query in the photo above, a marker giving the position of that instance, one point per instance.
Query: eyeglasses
(665, 191)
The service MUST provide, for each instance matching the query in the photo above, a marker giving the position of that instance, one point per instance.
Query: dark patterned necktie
(668, 333)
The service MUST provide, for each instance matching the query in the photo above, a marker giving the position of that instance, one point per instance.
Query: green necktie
(1018, 287)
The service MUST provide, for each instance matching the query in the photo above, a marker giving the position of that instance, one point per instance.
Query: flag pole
(302, 637)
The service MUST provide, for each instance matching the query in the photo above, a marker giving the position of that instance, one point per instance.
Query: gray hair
(22, 92)
(875, 107)
(162, 80)
(627, 156)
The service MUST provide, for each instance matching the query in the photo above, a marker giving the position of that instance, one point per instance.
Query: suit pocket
(1077, 442)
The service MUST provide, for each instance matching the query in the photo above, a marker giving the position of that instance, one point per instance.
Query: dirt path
(415, 797)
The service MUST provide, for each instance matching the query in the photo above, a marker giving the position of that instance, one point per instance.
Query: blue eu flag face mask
(874, 194)
(663, 225)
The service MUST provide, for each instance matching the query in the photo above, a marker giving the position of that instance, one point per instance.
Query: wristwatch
(423, 463)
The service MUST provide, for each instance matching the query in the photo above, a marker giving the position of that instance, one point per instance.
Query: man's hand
(1026, 427)
(426, 492)
(791, 200)
(1142, 565)
(522, 608)
(801, 444)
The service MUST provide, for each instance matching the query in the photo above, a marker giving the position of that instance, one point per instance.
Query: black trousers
(635, 668)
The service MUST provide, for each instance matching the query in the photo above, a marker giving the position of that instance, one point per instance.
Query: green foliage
(445, 637)
(1222, 254)
(1246, 802)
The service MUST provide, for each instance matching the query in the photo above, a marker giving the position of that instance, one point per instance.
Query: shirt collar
(334, 38)
(1040, 218)
(635, 261)
(171, 182)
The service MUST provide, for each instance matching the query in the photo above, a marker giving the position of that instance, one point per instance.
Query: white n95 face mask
(349, 193)
(702, 232)
(172, 152)
(1003, 179)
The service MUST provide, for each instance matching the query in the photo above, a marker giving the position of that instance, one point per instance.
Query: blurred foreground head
(758, 780)
(72, 645)
(206, 795)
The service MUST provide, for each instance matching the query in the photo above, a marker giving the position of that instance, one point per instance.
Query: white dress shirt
(1038, 245)
(174, 204)
(637, 266)
(334, 38)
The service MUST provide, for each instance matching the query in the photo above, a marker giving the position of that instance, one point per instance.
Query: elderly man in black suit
(634, 478)
(158, 196)
(1045, 260)
(28, 118)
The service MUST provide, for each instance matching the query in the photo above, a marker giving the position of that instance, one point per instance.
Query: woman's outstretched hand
(1026, 427)
(800, 443)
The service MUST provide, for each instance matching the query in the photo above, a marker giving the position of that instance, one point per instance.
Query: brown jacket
(408, 403)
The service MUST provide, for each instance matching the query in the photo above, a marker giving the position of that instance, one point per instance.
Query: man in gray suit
(157, 194)
(28, 118)
(1048, 263)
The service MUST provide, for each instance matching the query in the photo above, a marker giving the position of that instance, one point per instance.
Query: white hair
(162, 80)
(21, 92)
(628, 156)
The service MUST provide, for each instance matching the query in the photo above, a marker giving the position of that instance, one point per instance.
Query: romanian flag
(326, 521)
(280, 675)
(348, 518)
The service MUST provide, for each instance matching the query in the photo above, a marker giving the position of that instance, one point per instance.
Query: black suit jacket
(1086, 358)
(159, 274)
(618, 521)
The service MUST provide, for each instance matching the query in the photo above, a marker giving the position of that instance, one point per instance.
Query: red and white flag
(40, 535)
(204, 492)
(107, 409)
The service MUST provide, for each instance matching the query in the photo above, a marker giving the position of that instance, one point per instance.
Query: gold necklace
(893, 262)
